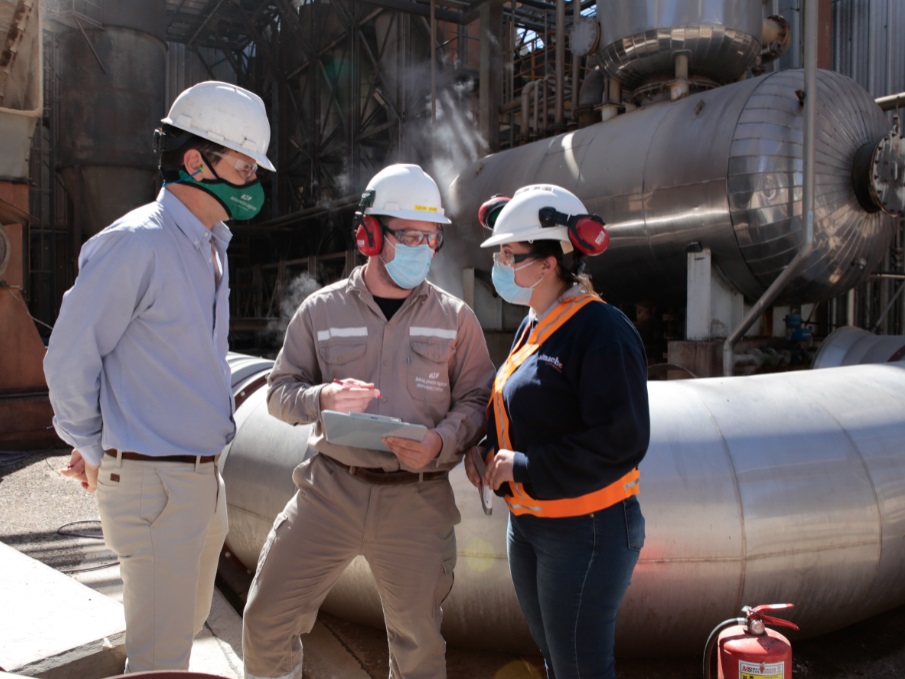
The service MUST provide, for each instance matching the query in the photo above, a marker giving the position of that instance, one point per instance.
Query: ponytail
(571, 273)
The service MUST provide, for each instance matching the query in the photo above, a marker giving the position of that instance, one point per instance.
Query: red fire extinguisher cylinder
(748, 649)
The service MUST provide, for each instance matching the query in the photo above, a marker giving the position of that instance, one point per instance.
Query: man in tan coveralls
(386, 342)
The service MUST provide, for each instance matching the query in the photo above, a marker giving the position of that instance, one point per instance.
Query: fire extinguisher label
(756, 670)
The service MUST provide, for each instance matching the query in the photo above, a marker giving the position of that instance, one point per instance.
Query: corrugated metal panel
(868, 45)
(867, 41)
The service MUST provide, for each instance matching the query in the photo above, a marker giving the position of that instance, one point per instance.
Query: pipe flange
(584, 37)
(887, 175)
(776, 38)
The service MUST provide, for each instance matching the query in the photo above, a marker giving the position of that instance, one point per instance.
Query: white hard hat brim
(499, 239)
(412, 215)
(259, 158)
(558, 234)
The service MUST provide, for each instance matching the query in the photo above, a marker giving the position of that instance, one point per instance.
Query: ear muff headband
(587, 233)
(490, 210)
(368, 231)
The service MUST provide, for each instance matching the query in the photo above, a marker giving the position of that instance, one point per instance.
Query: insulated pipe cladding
(778, 488)
(720, 169)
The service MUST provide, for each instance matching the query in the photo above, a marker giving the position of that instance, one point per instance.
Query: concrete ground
(61, 616)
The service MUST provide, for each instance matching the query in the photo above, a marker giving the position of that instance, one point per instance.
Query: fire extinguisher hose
(711, 643)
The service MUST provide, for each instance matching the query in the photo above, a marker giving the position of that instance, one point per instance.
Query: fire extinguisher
(747, 649)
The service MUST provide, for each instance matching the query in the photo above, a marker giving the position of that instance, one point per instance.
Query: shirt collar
(570, 292)
(190, 225)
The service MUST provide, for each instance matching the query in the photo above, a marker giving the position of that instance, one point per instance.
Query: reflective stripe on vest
(518, 499)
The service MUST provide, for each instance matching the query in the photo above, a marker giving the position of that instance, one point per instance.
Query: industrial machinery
(781, 486)
(773, 487)
(702, 171)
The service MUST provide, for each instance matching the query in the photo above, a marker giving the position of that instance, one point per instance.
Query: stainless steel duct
(720, 169)
(772, 488)
(641, 39)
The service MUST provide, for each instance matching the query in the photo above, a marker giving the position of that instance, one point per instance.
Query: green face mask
(241, 201)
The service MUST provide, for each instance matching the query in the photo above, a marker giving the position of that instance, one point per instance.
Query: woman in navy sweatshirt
(569, 423)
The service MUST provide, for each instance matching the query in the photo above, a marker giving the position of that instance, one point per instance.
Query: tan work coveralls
(431, 364)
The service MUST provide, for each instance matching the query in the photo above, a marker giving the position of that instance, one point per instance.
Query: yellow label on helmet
(425, 208)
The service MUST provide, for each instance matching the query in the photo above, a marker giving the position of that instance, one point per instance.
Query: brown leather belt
(381, 477)
(190, 459)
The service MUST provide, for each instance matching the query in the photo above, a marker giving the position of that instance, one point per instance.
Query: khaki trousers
(166, 521)
(406, 534)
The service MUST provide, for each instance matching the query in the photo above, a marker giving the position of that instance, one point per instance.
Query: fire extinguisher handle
(769, 607)
(778, 622)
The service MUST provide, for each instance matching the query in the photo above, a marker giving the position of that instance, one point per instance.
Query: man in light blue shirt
(136, 367)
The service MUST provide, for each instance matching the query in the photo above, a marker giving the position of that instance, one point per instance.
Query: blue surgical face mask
(504, 283)
(410, 265)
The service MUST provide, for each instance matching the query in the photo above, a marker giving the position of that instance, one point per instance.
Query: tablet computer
(361, 430)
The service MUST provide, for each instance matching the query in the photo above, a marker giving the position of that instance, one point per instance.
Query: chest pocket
(428, 374)
(341, 352)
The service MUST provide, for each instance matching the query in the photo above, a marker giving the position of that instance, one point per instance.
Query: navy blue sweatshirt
(578, 406)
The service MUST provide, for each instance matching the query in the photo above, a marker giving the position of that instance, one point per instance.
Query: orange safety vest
(519, 501)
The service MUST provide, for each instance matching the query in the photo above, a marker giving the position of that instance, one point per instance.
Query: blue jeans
(570, 576)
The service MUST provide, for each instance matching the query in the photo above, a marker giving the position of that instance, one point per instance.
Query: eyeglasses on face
(505, 258)
(248, 170)
(413, 237)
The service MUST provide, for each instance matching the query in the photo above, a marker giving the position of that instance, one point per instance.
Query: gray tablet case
(361, 430)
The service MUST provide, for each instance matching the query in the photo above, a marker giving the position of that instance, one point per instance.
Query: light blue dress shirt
(137, 357)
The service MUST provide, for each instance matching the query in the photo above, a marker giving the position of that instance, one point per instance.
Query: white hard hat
(519, 220)
(406, 192)
(225, 114)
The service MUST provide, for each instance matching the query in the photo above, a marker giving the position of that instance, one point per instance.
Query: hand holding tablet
(361, 430)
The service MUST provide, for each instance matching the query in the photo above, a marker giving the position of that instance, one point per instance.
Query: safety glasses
(510, 259)
(413, 237)
(248, 170)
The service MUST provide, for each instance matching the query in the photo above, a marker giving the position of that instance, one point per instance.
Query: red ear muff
(368, 235)
(490, 210)
(587, 233)
(368, 231)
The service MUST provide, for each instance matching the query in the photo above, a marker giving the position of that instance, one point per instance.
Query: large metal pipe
(782, 487)
(807, 209)
(854, 346)
(662, 188)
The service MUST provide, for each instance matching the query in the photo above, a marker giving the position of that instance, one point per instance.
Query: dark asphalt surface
(51, 519)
